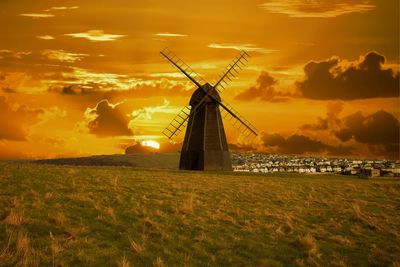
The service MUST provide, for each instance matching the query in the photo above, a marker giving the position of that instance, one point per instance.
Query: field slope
(121, 216)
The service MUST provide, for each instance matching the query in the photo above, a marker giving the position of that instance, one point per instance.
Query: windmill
(205, 146)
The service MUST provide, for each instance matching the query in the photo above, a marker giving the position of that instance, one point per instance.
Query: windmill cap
(200, 93)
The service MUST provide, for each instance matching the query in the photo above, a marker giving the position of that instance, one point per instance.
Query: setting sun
(151, 143)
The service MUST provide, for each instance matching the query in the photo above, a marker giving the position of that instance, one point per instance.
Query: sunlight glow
(151, 143)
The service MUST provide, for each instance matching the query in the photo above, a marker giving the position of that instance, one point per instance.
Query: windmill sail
(231, 71)
(182, 66)
(237, 120)
(177, 124)
(180, 120)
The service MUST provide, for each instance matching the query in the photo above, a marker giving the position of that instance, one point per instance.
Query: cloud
(68, 90)
(146, 112)
(15, 119)
(317, 8)
(62, 8)
(300, 144)
(28, 71)
(264, 90)
(45, 37)
(240, 47)
(334, 79)
(241, 148)
(63, 56)
(48, 15)
(110, 85)
(37, 15)
(8, 90)
(8, 54)
(96, 36)
(11, 81)
(167, 74)
(106, 120)
(379, 128)
(374, 134)
(167, 34)
(332, 121)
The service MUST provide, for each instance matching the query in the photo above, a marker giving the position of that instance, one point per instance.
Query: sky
(82, 78)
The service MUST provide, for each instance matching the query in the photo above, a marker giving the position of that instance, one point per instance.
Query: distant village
(267, 163)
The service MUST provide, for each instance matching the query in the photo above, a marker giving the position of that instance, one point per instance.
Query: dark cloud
(8, 90)
(377, 133)
(108, 91)
(300, 144)
(108, 120)
(68, 90)
(15, 119)
(264, 90)
(379, 128)
(366, 79)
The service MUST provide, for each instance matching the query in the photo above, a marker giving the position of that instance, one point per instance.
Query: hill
(138, 160)
(122, 216)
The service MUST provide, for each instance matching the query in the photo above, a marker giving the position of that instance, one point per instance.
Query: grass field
(121, 216)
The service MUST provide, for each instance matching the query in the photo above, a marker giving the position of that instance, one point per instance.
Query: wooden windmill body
(205, 146)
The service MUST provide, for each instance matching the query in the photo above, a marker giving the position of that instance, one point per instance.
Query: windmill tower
(205, 146)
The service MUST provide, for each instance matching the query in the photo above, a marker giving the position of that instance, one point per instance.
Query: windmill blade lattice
(231, 71)
(238, 121)
(183, 67)
(177, 124)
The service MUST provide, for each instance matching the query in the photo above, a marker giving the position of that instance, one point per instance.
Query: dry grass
(158, 262)
(114, 182)
(123, 262)
(341, 240)
(187, 205)
(310, 244)
(18, 251)
(59, 218)
(110, 212)
(135, 247)
(15, 218)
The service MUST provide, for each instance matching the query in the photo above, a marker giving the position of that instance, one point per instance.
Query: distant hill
(140, 160)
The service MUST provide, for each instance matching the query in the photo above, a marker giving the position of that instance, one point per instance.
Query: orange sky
(86, 77)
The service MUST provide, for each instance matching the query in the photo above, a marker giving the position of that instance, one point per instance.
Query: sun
(151, 143)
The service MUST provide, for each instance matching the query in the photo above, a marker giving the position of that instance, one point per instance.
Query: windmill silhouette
(205, 146)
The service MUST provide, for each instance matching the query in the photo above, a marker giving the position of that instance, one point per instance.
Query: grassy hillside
(120, 216)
